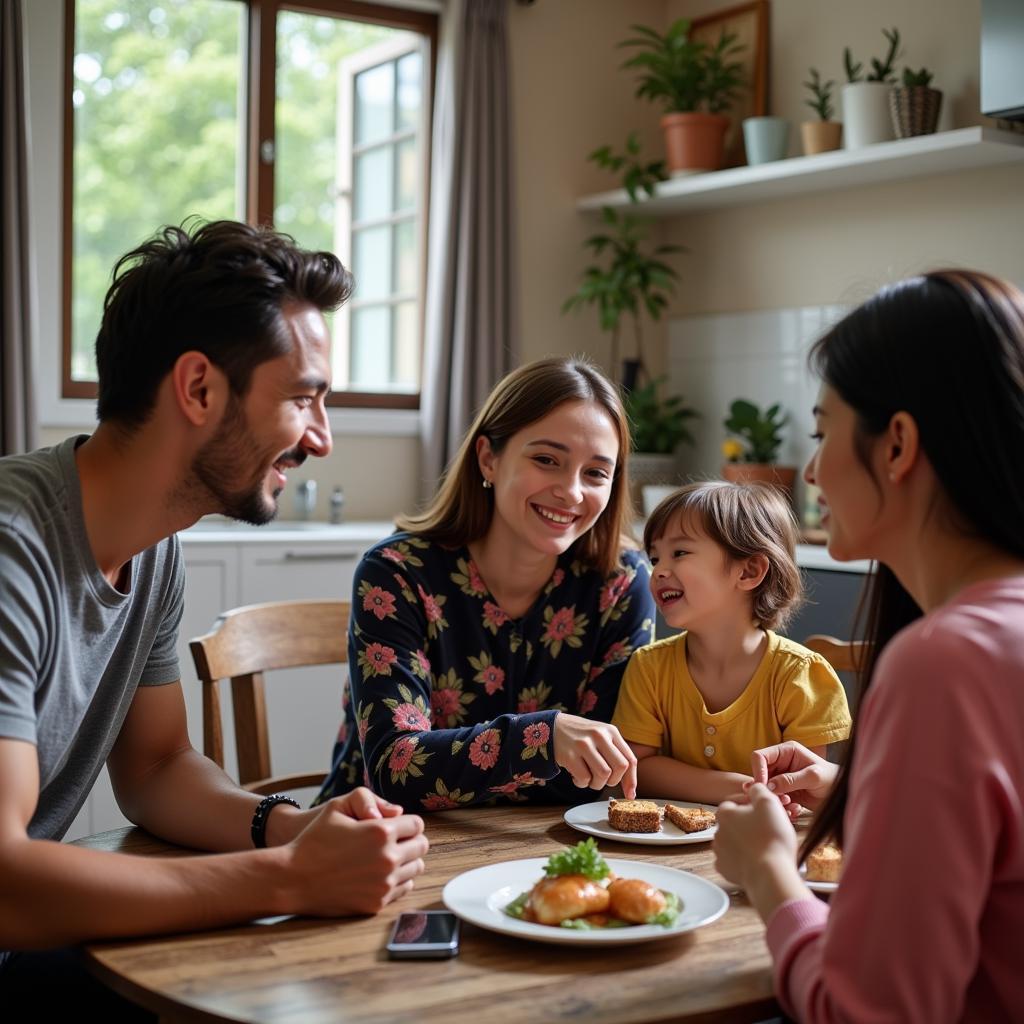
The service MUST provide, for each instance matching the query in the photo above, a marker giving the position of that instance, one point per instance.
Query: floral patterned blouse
(451, 701)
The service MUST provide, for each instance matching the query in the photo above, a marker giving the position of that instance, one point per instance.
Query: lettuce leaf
(581, 859)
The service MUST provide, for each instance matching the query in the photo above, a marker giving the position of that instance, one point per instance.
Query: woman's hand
(791, 769)
(755, 846)
(594, 754)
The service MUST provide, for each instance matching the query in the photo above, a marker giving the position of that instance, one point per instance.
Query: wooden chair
(842, 655)
(243, 644)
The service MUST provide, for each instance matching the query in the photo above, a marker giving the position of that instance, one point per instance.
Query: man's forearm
(188, 800)
(661, 776)
(54, 894)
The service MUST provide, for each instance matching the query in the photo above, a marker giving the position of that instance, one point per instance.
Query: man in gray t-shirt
(214, 363)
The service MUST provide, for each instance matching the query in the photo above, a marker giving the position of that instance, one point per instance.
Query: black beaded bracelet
(262, 812)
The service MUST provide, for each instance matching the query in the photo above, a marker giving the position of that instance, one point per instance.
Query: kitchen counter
(218, 530)
(364, 533)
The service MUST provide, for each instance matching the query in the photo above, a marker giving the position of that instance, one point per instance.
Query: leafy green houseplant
(658, 425)
(752, 451)
(627, 280)
(866, 117)
(695, 82)
(915, 105)
(823, 134)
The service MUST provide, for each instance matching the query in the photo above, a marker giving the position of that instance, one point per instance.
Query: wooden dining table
(313, 970)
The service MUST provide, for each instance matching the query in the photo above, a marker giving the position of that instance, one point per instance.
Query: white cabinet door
(303, 705)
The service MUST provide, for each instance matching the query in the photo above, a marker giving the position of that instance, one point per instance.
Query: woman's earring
(488, 485)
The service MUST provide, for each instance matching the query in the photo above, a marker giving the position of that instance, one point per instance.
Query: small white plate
(817, 886)
(593, 819)
(481, 895)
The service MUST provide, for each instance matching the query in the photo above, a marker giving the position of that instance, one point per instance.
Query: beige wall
(840, 246)
(570, 97)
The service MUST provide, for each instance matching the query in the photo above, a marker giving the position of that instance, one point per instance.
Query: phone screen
(432, 934)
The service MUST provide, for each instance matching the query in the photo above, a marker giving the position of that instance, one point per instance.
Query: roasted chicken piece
(634, 900)
(566, 897)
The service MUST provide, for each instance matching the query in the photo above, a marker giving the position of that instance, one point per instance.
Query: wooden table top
(307, 971)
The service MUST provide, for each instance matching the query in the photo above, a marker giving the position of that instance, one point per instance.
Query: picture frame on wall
(749, 23)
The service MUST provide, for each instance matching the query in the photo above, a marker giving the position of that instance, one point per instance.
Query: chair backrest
(842, 655)
(243, 644)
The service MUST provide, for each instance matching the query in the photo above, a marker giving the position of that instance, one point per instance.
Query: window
(176, 110)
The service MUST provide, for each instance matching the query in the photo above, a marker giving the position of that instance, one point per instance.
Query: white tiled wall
(762, 356)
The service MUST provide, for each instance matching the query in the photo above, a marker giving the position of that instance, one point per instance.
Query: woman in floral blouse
(488, 639)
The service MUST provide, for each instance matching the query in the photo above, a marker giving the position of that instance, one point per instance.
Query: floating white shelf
(959, 150)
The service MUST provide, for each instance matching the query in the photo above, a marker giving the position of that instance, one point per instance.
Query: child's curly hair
(744, 520)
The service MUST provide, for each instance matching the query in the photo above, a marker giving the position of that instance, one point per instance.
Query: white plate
(480, 896)
(593, 819)
(817, 886)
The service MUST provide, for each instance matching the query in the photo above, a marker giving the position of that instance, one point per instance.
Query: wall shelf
(945, 152)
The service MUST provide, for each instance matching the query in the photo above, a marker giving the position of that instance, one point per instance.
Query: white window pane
(372, 193)
(371, 262)
(371, 348)
(407, 347)
(407, 156)
(375, 98)
(158, 135)
(410, 90)
(406, 263)
(310, 51)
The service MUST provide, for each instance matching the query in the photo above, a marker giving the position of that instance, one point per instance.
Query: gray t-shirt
(73, 648)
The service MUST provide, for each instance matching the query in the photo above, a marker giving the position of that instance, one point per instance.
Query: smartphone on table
(424, 934)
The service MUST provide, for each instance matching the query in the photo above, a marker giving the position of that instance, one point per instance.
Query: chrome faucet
(305, 499)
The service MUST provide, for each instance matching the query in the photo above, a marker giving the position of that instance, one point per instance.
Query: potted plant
(866, 117)
(658, 426)
(752, 452)
(696, 83)
(915, 105)
(626, 279)
(822, 135)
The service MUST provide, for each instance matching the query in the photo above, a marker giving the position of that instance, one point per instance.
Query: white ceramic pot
(866, 116)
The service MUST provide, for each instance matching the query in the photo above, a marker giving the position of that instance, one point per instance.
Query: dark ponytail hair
(947, 348)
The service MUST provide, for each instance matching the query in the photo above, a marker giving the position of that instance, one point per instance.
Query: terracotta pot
(782, 477)
(915, 110)
(694, 142)
(821, 136)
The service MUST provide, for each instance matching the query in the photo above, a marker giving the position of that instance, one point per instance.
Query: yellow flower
(732, 449)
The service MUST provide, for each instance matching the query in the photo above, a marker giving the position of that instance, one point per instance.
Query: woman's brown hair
(461, 511)
(947, 348)
(743, 520)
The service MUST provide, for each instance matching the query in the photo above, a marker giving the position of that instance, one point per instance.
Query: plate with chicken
(577, 897)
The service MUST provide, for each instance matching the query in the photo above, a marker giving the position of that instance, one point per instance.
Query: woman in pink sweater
(920, 429)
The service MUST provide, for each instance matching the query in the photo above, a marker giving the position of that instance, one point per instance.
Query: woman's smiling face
(553, 478)
(851, 501)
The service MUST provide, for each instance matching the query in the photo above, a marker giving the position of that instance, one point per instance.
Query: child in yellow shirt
(694, 706)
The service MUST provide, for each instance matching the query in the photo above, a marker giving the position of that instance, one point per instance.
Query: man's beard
(221, 461)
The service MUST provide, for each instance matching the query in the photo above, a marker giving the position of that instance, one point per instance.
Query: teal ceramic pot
(765, 139)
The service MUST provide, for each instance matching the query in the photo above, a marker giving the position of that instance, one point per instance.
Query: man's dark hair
(215, 288)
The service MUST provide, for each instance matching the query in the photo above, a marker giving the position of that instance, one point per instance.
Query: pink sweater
(928, 923)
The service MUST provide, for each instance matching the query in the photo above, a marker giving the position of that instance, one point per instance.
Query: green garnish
(581, 859)
(518, 906)
(668, 916)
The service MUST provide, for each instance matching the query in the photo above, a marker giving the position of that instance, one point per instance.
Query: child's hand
(791, 769)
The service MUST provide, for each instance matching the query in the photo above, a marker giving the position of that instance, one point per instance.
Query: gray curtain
(470, 330)
(18, 428)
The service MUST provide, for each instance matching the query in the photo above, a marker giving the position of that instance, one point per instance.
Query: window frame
(258, 173)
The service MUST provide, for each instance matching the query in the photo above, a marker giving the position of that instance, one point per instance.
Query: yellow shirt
(793, 695)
